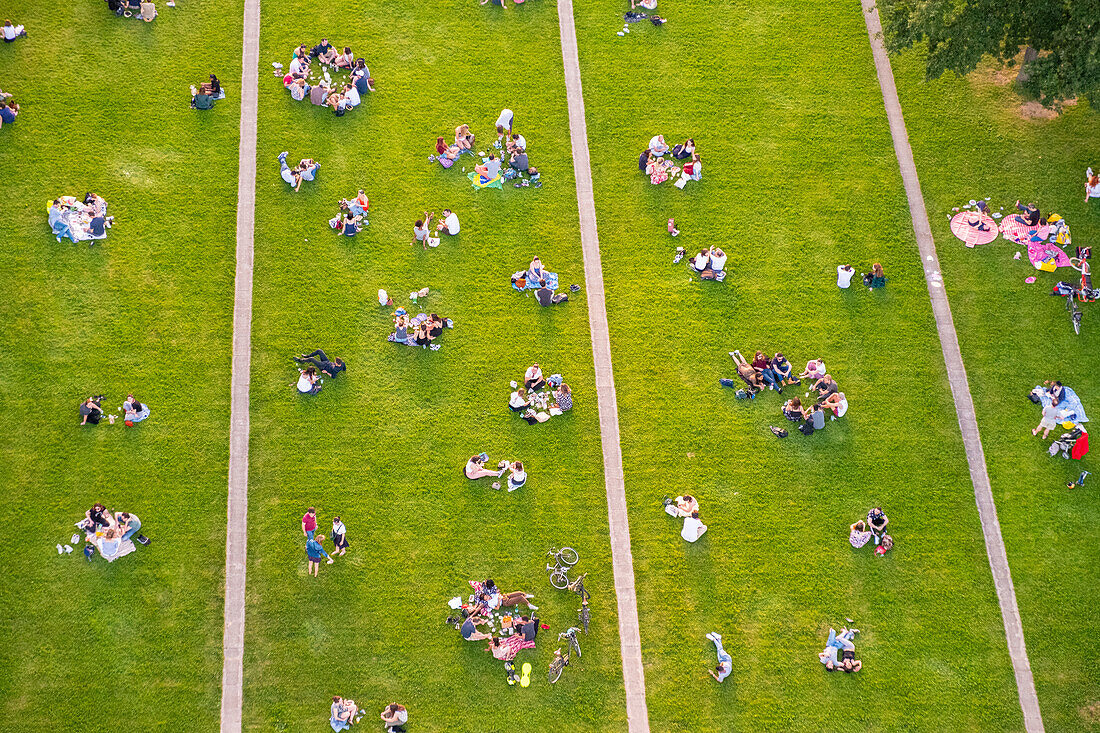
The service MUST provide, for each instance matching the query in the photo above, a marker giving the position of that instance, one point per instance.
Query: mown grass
(135, 645)
(970, 142)
(799, 176)
(383, 446)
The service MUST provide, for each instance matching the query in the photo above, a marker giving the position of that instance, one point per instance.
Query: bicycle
(577, 586)
(583, 615)
(1074, 311)
(570, 634)
(557, 664)
(564, 559)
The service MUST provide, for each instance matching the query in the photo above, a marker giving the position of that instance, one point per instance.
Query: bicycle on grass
(583, 615)
(564, 559)
(577, 586)
(1074, 311)
(561, 661)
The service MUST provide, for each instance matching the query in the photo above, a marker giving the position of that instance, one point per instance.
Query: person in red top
(309, 522)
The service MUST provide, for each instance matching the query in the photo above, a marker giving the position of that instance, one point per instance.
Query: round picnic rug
(960, 227)
(1017, 230)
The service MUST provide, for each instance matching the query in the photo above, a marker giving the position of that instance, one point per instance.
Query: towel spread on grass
(475, 179)
(1070, 408)
(1043, 250)
(514, 644)
(1015, 229)
(960, 227)
(551, 282)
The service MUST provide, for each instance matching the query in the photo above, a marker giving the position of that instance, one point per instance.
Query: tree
(960, 33)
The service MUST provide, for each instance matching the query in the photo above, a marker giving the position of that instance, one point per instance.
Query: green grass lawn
(799, 176)
(105, 109)
(383, 446)
(970, 142)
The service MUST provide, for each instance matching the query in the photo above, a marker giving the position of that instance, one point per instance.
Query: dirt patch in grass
(1091, 713)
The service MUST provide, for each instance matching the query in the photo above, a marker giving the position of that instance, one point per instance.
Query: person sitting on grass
(858, 534)
(681, 506)
(746, 372)
(657, 145)
(836, 402)
(701, 261)
(98, 516)
(350, 225)
(351, 94)
(498, 3)
(725, 661)
(489, 169)
(400, 333)
(563, 398)
(11, 32)
(319, 93)
(815, 420)
(469, 627)
(288, 174)
(684, 150)
(297, 87)
(1092, 185)
(435, 326)
(763, 367)
(533, 379)
(1028, 214)
(534, 175)
(516, 143)
(307, 168)
(147, 11)
(420, 230)
(420, 335)
(134, 411)
(394, 717)
(308, 381)
(535, 270)
(794, 411)
(320, 360)
(825, 387)
(693, 529)
(299, 65)
(343, 713)
(449, 223)
(693, 169)
(519, 401)
(815, 370)
(877, 521)
(90, 411)
(201, 99)
(783, 370)
(517, 476)
(323, 52)
(519, 160)
(345, 60)
(339, 102)
(314, 551)
(717, 259)
(464, 139)
(445, 152)
(876, 278)
(545, 296)
(658, 169)
(8, 112)
(475, 468)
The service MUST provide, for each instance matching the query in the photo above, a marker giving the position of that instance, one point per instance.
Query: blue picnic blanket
(1070, 408)
(551, 282)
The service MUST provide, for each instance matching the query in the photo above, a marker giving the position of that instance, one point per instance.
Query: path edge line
(236, 536)
(956, 374)
(637, 714)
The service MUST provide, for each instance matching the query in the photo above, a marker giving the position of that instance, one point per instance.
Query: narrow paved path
(631, 645)
(236, 530)
(956, 373)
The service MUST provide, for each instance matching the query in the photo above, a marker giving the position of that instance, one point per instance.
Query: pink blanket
(1041, 251)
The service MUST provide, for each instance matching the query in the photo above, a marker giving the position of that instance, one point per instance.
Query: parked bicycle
(577, 586)
(1074, 311)
(583, 615)
(561, 661)
(564, 559)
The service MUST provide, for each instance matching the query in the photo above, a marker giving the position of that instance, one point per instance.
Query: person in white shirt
(504, 125)
(518, 402)
(449, 224)
(517, 142)
(532, 378)
(352, 95)
(844, 276)
(148, 11)
(298, 89)
(308, 381)
(11, 32)
(657, 145)
(518, 477)
(299, 67)
(693, 528)
(1092, 185)
(288, 174)
(717, 259)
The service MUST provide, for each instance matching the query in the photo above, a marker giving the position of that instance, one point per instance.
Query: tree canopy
(960, 33)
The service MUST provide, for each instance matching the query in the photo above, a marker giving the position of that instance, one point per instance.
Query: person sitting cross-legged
(343, 713)
(533, 379)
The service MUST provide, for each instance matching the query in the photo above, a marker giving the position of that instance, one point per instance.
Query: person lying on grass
(746, 371)
(320, 360)
(1092, 185)
(475, 468)
(840, 642)
(683, 506)
(309, 382)
(498, 599)
(725, 661)
(291, 175)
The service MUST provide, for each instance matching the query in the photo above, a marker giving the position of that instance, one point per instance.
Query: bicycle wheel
(568, 556)
(1077, 322)
(584, 617)
(555, 670)
(559, 580)
(575, 644)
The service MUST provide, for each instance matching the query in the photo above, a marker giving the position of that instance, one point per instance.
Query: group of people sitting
(843, 644)
(874, 527)
(475, 469)
(306, 170)
(517, 632)
(876, 278)
(110, 532)
(654, 164)
(340, 96)
(11, 31)
(542, 281)
(710, 263)
(310, 379)
(422, 229)
(206, 93)
(421, 330)
(345, 712)
(91, 411)
(143, 9)
(79, 220)
(353, 215)
(535, 405)
(9, 110)
(776, 373)
(686, 507)
(511, 164)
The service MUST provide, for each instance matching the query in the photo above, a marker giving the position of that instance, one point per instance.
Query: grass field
(799, 176)
(104, 109)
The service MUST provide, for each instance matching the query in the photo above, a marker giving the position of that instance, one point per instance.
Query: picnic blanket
(551, 282)
(971, 235)
(475, 179)
(514, 645)
(1070, 408)
(338, 725)
(1015, 229)
(1041, 251)
(124, 549)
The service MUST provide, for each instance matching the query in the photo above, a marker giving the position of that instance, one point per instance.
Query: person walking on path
(725, 661)
(314, 551)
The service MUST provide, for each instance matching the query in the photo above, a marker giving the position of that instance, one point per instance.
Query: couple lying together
(774, 373)
(841, 642)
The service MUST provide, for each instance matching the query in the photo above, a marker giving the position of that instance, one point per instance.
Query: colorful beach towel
(1015, 229)
(475, 179)
(551, 282)
(1044, 250)
(1070, 408)
(514, 644)
(971, 235)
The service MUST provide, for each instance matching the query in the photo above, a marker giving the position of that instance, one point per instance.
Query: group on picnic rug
(1061, 407)
(654, 164)
(140, 9)
(340, 96)
(534, 402)
(709, 264)
(687, 508)
(344, 713)
(204, 96)
(510, 164)
(352, 216)
(78, 220)
(543, 283)
(488, 606)
(873, 279)
(873, 528)
(422, 229)
(475, 469)
(132, 411)
(421, 330)
(108, 532)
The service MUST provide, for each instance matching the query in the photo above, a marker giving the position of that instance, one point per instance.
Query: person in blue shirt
(8, 112)
(314, 551)
(725, 661)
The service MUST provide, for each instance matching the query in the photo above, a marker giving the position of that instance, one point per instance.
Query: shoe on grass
(525, 679)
